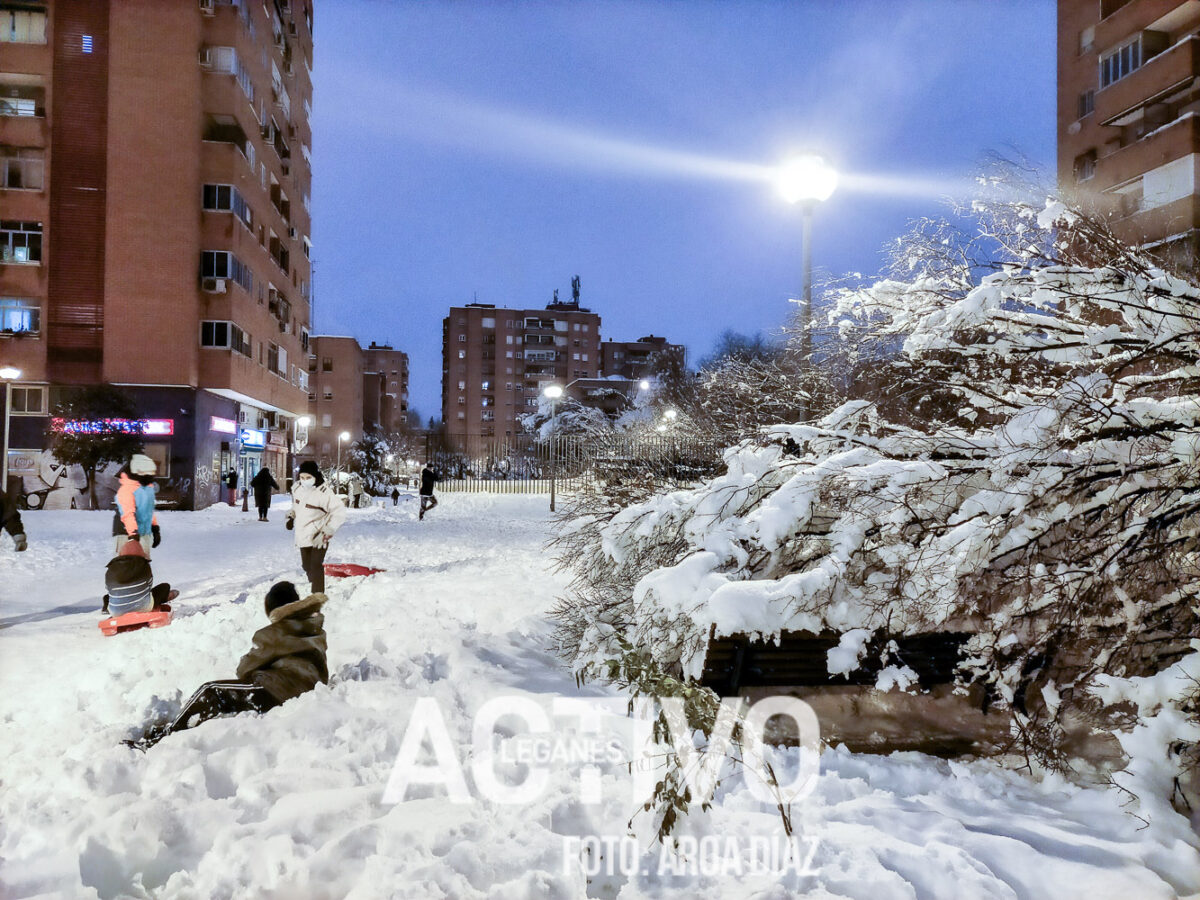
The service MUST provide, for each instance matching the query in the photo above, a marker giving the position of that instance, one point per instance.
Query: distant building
(635, 359)
(385, 399)
(155, 175)
(1128, 130)
(495, 362)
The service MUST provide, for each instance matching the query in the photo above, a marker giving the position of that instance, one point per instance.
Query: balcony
(1168, 143)
(1159, 75)
(1123, 18)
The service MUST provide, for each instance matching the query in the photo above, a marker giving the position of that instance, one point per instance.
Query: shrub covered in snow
(1023, 469)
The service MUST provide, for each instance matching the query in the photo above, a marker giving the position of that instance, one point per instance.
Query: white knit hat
(140, 464)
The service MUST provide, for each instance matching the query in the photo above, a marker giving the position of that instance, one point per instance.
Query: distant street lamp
(9, 375)
(344, 436)
(807, 180)
(553, 392)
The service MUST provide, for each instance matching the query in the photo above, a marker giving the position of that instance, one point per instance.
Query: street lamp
(552, 392)
(807, 180)
(9, 375)
(344, 436)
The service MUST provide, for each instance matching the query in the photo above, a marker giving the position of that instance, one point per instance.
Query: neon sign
(253, 438)
(225, 426)
(146, 427)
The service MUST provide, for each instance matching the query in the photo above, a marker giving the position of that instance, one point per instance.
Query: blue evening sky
(496, 149)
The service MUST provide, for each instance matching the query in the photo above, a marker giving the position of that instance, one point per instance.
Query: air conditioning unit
(214, 285)
(208, 7)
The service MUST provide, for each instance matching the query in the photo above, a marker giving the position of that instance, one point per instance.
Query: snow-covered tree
(1022, 468)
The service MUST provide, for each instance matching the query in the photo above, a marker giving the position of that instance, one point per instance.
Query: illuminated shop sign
(146, 427)
(253, 438)
(225, 426)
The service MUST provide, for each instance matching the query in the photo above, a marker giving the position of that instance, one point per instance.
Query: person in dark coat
(395, 496)
(263, 484)
(231, 483)
(10, 520)
(287, 659)
(428, 501)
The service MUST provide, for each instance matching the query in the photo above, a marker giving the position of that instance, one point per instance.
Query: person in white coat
(317, 512)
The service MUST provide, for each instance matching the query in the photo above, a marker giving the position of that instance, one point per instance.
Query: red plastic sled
(155, 618)
(349, 570)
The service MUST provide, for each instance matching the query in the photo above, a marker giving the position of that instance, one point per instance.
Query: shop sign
(253, 438)
(147, 427)
(225, 426)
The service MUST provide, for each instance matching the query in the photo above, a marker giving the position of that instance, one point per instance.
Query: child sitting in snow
(286, 660)
(130, 583)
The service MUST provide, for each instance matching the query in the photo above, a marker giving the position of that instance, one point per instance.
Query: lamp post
(807, 180)
(344, 436)
(9, 375)
(552, 392)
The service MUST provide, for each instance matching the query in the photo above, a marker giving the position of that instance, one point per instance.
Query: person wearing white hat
(134, 519)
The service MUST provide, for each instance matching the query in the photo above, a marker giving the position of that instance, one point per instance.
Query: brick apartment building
(495, 362)
(1128, 133)
(636, 359)
(155, 187)
(353, 390)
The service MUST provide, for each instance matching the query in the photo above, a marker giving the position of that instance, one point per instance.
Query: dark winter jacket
(231, 480)
(10, 519)
(288, 656)
(428, 477)
(128, 580)
(263, 483)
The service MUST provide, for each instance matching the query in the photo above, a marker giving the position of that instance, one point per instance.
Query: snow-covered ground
(291, 804)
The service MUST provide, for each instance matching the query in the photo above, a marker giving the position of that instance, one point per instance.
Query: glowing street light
(8, 374)
(670, 415)
(644, 384)
(344, 436)
(807, 180)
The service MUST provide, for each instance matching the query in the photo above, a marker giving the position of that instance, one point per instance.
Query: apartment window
(485, 385)
(488, 415)
(23, 26)
(85, 43)
(487, 401)
(327, 422)
(225, 60)
(462, 385)
(462, 415)
(1085, 166)
(302, 381)
(531, 401)
(277, 359)
(462, 401)
(585, 328)
(576, 326)
(223, 264)
(226, 336)
(508, 354)
(22, 100)
(508, 339)
(1087, 103)
(328, 393)
(462, 354)
(19, 315)
(584, 357)
(617, 354)
(227, 198)
(576, 343)
(22, 168)
(20, 242)
(326, 364)
(462, 338)
(575, 357)
(488, 322)
(29, 400)
(1122, 62)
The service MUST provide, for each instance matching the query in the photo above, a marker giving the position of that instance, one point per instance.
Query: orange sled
(349, 570)
(155, 618)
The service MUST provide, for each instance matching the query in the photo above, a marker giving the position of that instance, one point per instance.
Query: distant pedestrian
(10, 520)
(317, 512)
(231, 483)
(428, 477)
(356, 490)
(395, 496)
(134, 518)
(263, 483)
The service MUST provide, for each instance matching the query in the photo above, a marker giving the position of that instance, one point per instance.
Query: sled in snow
(349, 570)
(154, 618)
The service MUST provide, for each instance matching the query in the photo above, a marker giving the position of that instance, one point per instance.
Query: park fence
(572, 463)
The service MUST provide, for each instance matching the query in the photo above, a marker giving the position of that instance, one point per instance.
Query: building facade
(336, 397)
(496, 361)
(636, 359)
(1128, 133)
(386, 398)
(156, 174)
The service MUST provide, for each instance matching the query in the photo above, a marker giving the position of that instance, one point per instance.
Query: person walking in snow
(10, 520)
(395, 496)
(428, 478)
(317, 512)
(356, 489)
(287, 659)
(133, 518)
(263, 484)
(231, 483)
(130, 583)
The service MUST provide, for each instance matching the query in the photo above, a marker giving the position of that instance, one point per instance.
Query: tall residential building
(156, 175)
(495, 362)
(386, 405)
(335, 369)
(1128, 133)
(636, 359)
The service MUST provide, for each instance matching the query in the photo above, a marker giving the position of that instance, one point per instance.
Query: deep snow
(289, 804)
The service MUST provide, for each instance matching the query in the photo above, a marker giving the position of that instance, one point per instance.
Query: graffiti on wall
(46, 483)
